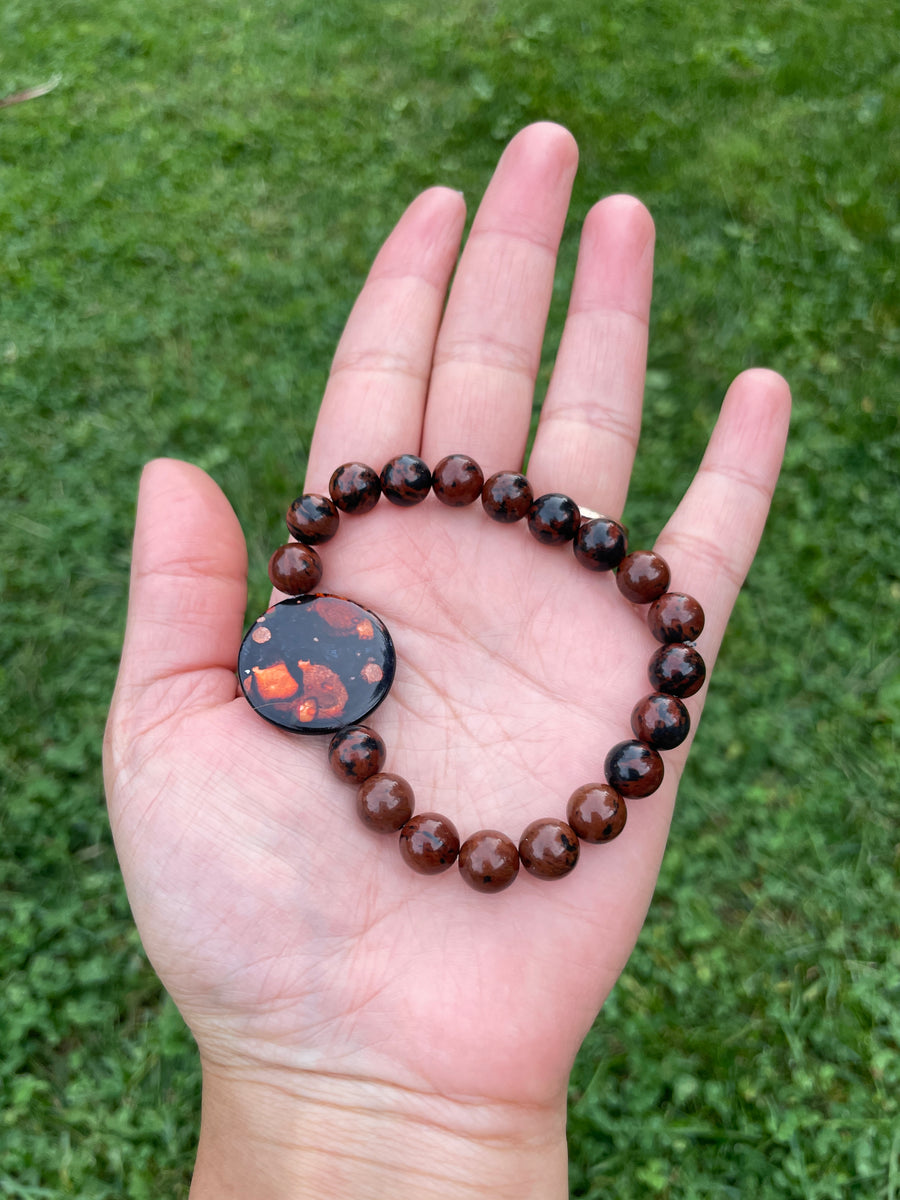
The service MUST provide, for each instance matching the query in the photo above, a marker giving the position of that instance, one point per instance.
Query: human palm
(292, 938)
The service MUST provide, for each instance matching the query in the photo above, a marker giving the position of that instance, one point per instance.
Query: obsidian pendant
(313, 664)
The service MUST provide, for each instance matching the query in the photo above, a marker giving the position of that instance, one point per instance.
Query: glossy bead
(675, 617)
(355, 488)
(295, 569)
(600, 544)
(405, 480)
(507, 497)
(661, 721)
(677, 670)
(355, 753)
(596, 812)
(554, 519)
(313, 664)
(312, 519)
(634, 769)
(488, 861)
(548, 848)
(429, 843)
(457, 480)
(385, 803)
(642, 577)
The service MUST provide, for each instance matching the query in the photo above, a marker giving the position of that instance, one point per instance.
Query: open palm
(292, 938)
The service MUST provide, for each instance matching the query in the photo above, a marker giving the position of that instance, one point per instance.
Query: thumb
(188, 590)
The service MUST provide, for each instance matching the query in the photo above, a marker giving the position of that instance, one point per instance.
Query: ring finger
(591, 417)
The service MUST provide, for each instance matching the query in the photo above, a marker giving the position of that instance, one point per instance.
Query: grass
(184, 222)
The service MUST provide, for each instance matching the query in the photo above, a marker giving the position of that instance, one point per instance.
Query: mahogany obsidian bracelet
(317, 663)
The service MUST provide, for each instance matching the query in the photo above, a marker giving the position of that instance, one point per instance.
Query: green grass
(184, 223)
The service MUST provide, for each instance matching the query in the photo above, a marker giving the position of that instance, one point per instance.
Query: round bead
(675, 617)
(548, 848)
(677, 670)
(660, 721)
(642, 576)
(429, 843)
(313, 664)
(596, 812)
(295, 569)
(600, 544)
(312, 519)
(405, 480)
(507, 497)
(457, 480)
(634, 769)
(554, 519)
(355, 488)
(385, 803)
(355, 753)
(488, 861)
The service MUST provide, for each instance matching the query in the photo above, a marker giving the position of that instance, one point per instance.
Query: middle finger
(489, 347)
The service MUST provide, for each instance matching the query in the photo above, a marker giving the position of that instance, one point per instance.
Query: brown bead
(596, 812)
(488, 861)
(677, 670)
(554, 519)
(457, 480)
(661, 721)
(295, 569)
(355, 753)
(600, 544)
(548, 848)
(507, 497)
(634, 769)
(312, 519)
(675, 617)
(429, 843)
(642, 577)
(385, 803)
(405, 480)
(355, 488)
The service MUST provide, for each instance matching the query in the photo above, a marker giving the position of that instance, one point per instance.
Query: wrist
(357, 1139)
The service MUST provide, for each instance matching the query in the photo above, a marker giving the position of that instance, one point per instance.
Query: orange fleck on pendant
(275, 682)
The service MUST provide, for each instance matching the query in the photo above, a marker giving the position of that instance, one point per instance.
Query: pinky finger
(711, 539)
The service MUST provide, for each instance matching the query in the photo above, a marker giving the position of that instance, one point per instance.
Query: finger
(188, 585)
(709, 543)
(591, 417)
(489, 347)
(711, 539)
(375, 397)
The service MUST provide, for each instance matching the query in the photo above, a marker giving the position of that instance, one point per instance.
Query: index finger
(375, 397)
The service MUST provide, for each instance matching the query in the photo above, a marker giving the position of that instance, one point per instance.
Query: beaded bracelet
(320, 664)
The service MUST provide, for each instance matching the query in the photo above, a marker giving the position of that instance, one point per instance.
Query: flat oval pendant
(313, 664)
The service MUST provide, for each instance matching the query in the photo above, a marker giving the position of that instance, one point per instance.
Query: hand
(355, 1020)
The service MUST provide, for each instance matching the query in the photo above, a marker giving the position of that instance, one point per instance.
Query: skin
(363, 1029)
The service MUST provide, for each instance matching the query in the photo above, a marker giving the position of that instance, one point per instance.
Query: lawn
(184, 221)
